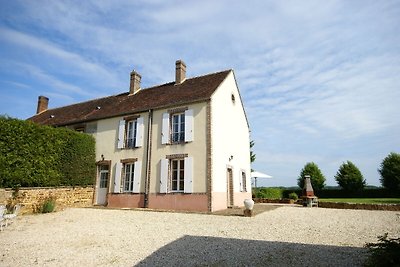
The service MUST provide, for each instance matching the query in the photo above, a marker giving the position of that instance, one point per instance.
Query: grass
(363, 200)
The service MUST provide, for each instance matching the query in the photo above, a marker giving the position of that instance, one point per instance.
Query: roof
(191, 90)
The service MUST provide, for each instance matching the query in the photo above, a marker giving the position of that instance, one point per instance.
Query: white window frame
(178, 127)
(178, 173)
(128, 177)
(184, 130)
(167, 173)
(131, 133)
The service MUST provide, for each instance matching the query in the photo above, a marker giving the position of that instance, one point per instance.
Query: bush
(32, 155)
(317, 178)
(384, 253)
(48, 205)
(269, 192)
(390, 172)
(349, 177)
(293, 196)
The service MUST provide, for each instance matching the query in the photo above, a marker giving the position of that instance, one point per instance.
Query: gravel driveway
(286, 236)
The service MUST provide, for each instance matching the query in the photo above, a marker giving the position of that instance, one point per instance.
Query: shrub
(32, 155)
(48, 205)
(384, 253)
(390, 172)
(317, 178)
(293, 196)
(269, 192)
(349, 177)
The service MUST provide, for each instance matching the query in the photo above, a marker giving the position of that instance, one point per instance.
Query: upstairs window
(177, 126)
(130, 132)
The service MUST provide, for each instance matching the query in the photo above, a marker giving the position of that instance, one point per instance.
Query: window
(128, 177)
(176, 174)
(178, 128)
(131, 133)
(104, 172)
(243, 187)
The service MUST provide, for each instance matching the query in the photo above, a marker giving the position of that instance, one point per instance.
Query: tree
(317, 178)
(349, 177)
(252, 155)
(390, 172)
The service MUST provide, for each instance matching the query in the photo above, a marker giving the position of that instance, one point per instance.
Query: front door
(102, 184)
(229, 187)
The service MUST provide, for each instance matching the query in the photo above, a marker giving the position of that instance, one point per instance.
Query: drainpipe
(148, 160)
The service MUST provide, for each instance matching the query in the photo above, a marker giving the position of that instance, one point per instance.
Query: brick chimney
(180, 72)
(43, 104)
(135, 83)
(308, 190)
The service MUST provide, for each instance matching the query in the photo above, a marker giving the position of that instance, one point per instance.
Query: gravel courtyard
(286, 236)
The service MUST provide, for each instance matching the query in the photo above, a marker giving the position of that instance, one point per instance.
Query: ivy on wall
(32, 155)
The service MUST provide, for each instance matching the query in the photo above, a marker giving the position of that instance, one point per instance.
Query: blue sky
(319, 79)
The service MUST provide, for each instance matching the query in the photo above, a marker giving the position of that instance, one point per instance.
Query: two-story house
(183, 145)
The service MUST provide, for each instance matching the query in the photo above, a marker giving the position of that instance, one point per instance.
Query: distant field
(363, 200)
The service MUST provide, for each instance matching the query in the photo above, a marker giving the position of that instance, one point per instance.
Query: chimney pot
(43, 104)
(135, 83)
(180, 72)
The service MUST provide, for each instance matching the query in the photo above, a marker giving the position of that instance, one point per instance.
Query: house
(182, 145)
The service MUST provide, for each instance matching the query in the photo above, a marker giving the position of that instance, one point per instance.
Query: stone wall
(32, 199)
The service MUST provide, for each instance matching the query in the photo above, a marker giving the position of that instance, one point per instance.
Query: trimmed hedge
(32, 155)
(281, 192)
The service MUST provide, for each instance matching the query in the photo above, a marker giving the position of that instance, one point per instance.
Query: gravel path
(286, 236)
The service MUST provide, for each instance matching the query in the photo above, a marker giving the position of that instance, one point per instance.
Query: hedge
(32, 155)
(281, 192)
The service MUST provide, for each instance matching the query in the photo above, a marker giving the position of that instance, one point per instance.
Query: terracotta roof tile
(191, 90)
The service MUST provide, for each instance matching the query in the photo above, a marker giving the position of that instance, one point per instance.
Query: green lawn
(363, 200)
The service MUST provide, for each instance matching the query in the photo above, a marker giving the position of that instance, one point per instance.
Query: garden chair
(10, 217)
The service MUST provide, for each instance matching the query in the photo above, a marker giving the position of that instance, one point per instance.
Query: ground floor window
(243, 186)
(177, 175)
(128, 174)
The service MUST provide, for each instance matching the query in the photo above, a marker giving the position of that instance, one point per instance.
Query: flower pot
(248, 204)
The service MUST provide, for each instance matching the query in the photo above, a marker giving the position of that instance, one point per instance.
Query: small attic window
(233, 98)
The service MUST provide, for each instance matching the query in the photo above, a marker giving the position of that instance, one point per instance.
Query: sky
(320, 80)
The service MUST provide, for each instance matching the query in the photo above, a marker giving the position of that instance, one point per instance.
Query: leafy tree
(317, 178)
(349, 177)
(252, 155)
(390, 171)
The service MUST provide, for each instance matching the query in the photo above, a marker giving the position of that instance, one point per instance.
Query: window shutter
(189, 125)
(117, 177)
(188, 175)
(139, 132)
(121, 134)
(165, 129)
(137, 177)
(164, 175)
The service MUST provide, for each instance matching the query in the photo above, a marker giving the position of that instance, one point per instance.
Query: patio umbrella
(256, 175)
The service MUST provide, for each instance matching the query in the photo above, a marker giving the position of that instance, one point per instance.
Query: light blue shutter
(117, 177)
(139, 132)
(189, 125)
(165, 129)
(137, 176)
(164, 176)
(188, 182)
(121, 134)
